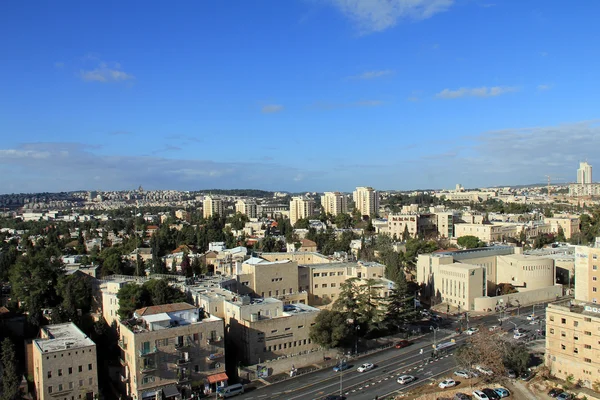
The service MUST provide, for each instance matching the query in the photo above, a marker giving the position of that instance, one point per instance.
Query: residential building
(587, 273)
(366, 201)
(569, 225)
(334, 203)
(165, 348)
(262, 278)
(584, 173)
(580, 190)
(416, 224)
(212, 206)
(305, 245)
(247, 208)
(64, 364)
(487, 233)
(445, 223)
(300, 208)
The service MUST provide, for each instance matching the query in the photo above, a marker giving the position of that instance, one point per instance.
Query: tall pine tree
(401, 305)
(10, 379)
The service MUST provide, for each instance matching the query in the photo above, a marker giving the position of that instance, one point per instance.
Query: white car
(519, 335)
(479, 395)
(494, 328)
(532, 317)
(484, 370)
(472, 331)
(404, 379)
(365, 367)
(462, 374)
(447, 383)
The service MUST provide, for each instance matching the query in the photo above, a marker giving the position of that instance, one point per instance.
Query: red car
(402, 343)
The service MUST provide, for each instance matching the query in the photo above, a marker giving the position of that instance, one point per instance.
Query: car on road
(404, 379)
(401, 344)
(484, 370)
(502, 392)
(365, 367)
(554, 392)
(341, 367)
(519, 335)
(335, 397)
(462, 374)
(447, 383)
(479, 395)
(461, 396)
(491, 394)
(564, 396)
(472, 331)
(532, 317)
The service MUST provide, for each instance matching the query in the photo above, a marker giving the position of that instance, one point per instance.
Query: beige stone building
(301, 257)
(488, 233)
(212, 206)
(587, 273)
(417, 224)
(264, 278)
(525, 272)
(64, 364)
(460, 284)
(569, 225)
(301, 207)
(366, 201)
(247, 208)
(168, 349)
(334, 203)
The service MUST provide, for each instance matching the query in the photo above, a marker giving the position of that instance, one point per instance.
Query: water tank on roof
(245, 300)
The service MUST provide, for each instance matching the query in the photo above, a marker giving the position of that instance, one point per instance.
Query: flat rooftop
(62, 337)
(578, 307)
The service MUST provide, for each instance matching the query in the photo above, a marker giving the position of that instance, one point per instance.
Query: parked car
(484, 370)
(494, 328)
(526, 376)
(492, 395)
(502, 392)
(532, 317)
(461, 396)
(401, 344)
(519, 335)
(511, 374)
(365, 367)
(447, 383)
(341, 367)
(462, 374)
(554, 392)
(404, 379)
(564, 396)
(479, 395)
(472, 331)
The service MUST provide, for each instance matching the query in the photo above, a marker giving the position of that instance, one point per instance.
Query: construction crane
(550, 178)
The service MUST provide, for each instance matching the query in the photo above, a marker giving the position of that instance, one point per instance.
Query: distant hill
(238, 192)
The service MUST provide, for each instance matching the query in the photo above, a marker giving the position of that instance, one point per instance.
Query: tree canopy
(331, 329)
(470, 242)
(152, 293)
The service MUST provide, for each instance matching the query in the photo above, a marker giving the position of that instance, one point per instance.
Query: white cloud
(379, 15)
(483, 91)
(105, 72)
(271, 108)
(373, 74)
(544, 87)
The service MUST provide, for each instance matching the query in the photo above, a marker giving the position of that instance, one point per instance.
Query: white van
(230, 391)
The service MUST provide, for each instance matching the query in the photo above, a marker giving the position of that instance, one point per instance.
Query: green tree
(343, 221)
(76, 293)
(331, 329)
(517, 357)
(131, 297)
(405, 234)
(400, 307)
(10, 379)
(186, 266)
(470, 242)
(302, 223)
(560, 237)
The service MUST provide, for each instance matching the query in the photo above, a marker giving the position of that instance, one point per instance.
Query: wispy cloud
(271, 108)
(483, 91)
(184, 138)
(544, 87)
(373, 74)
(379, 15)
(105, 72)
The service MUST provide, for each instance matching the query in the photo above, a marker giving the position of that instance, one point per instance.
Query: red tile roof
(165, 308)
(308, 243)
(220, 377)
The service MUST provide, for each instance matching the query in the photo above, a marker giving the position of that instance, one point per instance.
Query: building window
(340, 273)
(575, 323)
(70, 385)
(315, 275)
(49, 389)
(552, 318)
(586, 319)
(81, 382)
(316, 286)
(300, 326)
(587, 360)
(60, 387)
(551, 330)
(575, 351)
(91, 381)
(333, 284)
(89, 367)
(594, 289)
(563, 347)
(274, 331)
(587, 346)
(563, 334)
(49, 374)
(595, 267)
(59, 372)
(563, 321)
(324, 285)
(288, 328)
(576, 337)
(70, 370)
(81, 368)
(588, 333)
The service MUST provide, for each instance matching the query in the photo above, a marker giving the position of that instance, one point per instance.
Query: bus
(444, 348)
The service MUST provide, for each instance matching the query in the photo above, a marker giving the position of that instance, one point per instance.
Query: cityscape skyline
(296, 96)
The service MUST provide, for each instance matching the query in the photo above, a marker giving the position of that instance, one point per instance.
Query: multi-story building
(247, 208)
(166, 348)
(264, 278)
(366, 200)
(579, 190)
(212, 206)
(445, 223)
(487, 233)
(334, 203)
(301, 207)
(64, 364)
(569, 225)
(415, 224)
(584, 173)
(587, 273)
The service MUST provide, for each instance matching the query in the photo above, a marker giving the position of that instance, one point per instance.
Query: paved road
(390, 363)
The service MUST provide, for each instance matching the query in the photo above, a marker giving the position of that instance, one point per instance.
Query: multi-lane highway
(391, 363)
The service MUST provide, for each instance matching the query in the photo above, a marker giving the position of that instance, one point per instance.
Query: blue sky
(297, 95)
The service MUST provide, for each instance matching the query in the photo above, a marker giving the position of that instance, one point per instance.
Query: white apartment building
(366, 200)
(247, 208)
(584, 173)
(334, 203)
(301, 207)
(212, 206)
(64, 364)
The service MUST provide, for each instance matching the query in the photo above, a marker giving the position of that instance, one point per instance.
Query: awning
(220, 377)
(170, 391)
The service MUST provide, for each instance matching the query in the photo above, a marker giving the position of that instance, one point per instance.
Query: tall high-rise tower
(301, 207)
(584, 173)
(334, 203)
(366, 200)
(212, 206)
